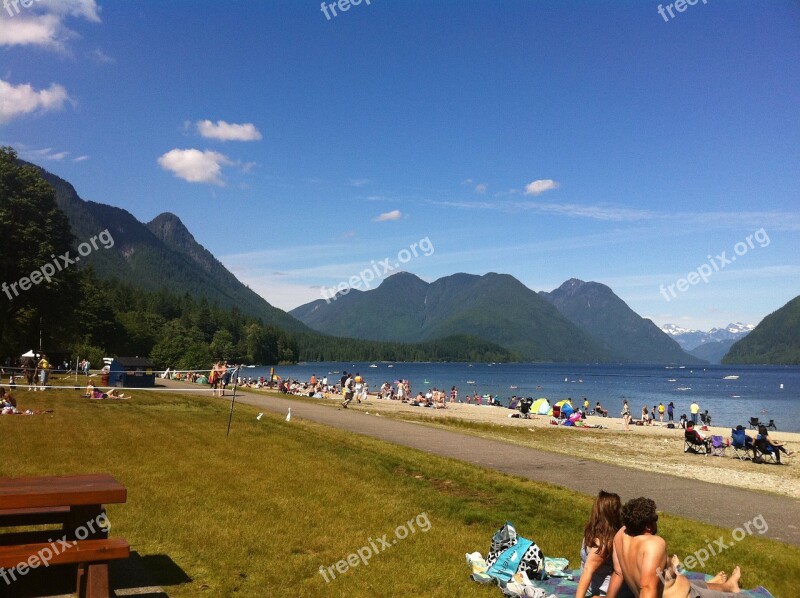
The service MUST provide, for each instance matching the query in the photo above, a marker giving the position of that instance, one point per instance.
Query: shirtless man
(640, 560)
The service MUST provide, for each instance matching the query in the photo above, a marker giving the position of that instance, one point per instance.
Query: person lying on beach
(640, 561)
(93, 393)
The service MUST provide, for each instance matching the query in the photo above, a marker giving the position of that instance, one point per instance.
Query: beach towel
(563, 587)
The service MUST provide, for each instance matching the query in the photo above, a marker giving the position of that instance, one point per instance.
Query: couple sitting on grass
(623, 556)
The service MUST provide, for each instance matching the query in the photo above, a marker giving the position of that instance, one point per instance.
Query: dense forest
(776, 340)
(47, 298)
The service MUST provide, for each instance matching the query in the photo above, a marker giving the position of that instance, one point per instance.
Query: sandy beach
(654, 448)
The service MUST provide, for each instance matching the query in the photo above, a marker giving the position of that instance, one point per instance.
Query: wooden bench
(92, 557)
(72, 502)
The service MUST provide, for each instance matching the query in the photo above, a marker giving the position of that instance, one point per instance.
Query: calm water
(757, 391)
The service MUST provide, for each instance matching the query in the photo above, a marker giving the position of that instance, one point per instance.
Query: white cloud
(44, 154)
(593, 212)
(744, 221)
(540, 186)
(481, 188)
(359, 182)
(228, 131)
(100, 57)
(44, 30)
(42, 23)
(87, 9)
(195, 166)
(388, 216)
(80, 158)
(17, 100)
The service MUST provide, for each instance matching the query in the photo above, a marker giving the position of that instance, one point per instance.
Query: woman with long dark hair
(597, 546)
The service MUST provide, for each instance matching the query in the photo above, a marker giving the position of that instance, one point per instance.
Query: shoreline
(491, 414)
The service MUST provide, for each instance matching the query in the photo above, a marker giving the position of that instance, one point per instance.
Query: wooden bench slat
(52, 491)
(80, 551)
(29, 516)
(34, 511)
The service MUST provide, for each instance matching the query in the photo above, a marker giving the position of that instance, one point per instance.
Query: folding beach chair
(764, 451)
(771, 425)
(705, 418)
(525, 408)
(692, 442)
(742, 444)
(557, 414)
(718, 446)
(754, 423)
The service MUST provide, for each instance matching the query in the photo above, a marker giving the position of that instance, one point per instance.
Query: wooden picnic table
(76, 503)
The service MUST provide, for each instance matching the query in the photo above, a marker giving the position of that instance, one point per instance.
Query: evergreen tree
(40, 287)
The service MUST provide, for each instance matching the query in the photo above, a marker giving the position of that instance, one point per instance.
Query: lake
(767, 392)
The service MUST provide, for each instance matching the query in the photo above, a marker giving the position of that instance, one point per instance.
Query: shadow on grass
(141, 576)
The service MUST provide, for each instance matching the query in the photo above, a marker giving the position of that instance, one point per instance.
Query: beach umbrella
(559, 404)
(540, 406)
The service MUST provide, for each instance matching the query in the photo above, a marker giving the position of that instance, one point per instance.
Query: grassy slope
(259, 512)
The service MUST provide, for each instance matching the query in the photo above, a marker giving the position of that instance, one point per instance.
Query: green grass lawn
(258, 513)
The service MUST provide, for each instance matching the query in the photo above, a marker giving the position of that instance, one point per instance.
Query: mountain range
(689, 338)
(579, 321)
(711, 346)
(160, 254)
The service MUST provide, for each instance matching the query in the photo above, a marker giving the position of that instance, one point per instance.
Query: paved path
(701, 501)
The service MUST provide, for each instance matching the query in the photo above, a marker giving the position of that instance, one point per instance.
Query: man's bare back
(642, 562)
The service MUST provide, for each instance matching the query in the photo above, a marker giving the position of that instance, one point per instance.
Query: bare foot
(720, 577)
(732, 585)
(676, 562)
(736, 574)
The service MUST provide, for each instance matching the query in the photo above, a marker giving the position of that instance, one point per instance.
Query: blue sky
(547, 140)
